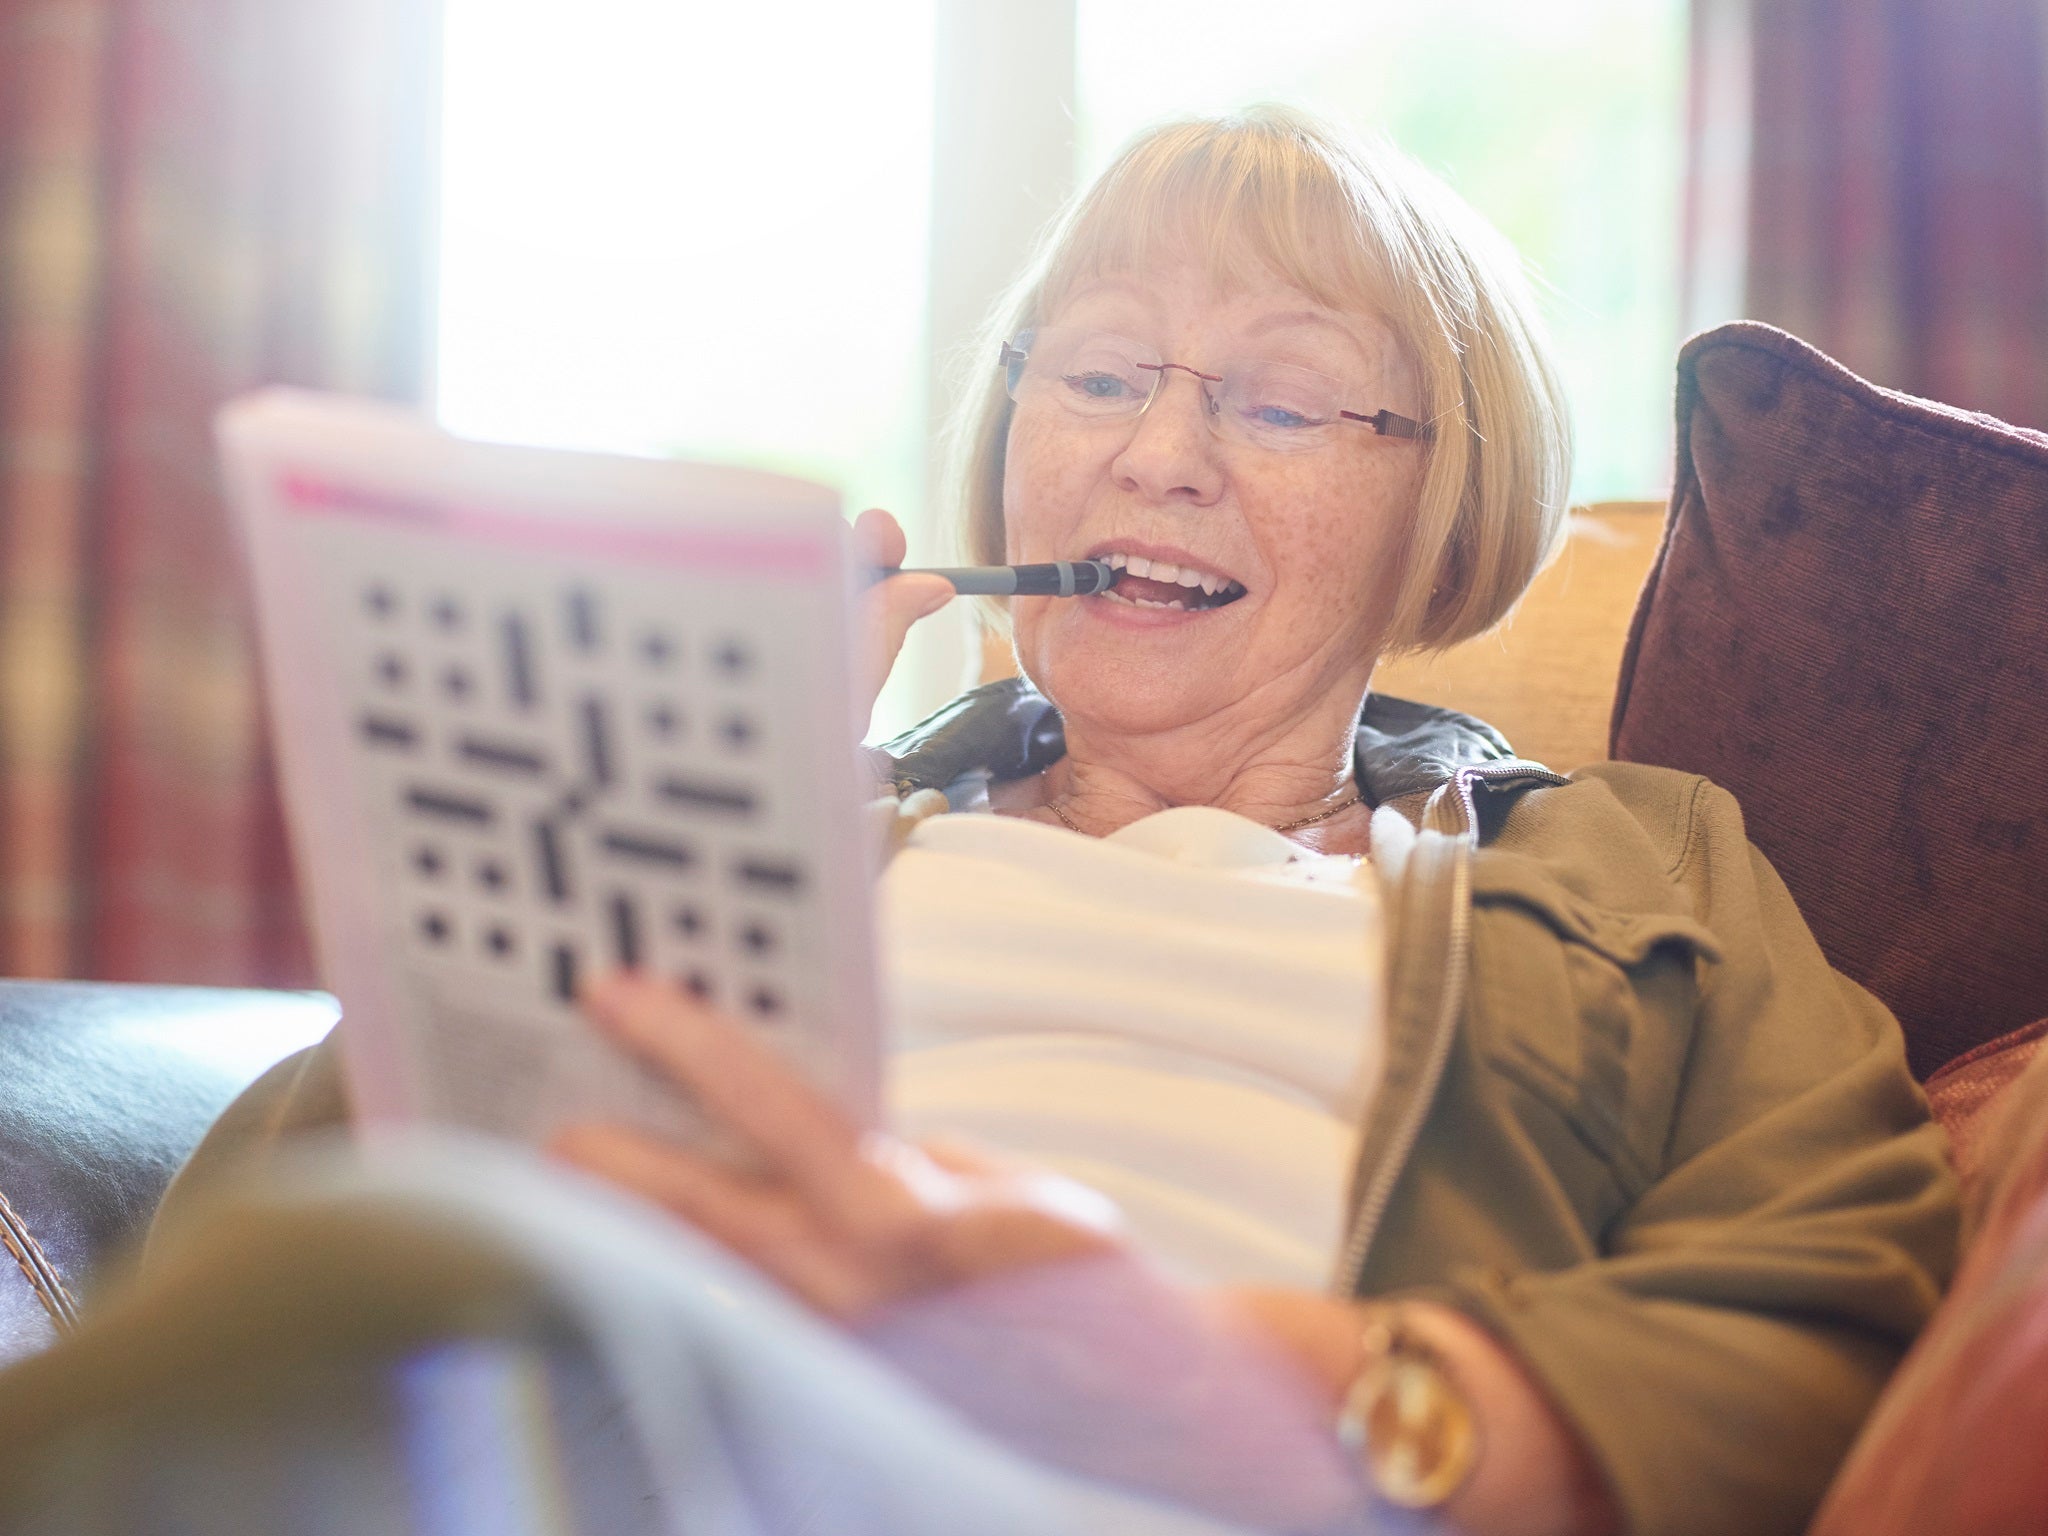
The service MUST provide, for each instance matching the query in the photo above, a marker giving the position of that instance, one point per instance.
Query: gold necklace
(1290, 826)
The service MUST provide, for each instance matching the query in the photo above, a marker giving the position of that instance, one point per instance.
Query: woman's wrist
(1533, 1475)
(1405, 1418)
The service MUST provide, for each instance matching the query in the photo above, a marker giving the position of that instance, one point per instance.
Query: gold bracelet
(1405, 1419)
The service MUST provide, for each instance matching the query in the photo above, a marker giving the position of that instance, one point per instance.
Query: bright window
(706, 230)
(1560, 122)
(691, 229)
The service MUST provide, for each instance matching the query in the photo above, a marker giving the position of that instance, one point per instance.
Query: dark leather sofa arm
(105, 1089)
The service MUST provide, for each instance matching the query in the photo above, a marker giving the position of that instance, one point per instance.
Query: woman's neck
(1301, 777)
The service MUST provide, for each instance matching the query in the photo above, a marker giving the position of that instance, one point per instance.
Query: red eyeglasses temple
(1387, 424)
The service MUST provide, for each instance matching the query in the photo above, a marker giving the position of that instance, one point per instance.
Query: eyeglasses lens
(1087, 373)
(1093, 375)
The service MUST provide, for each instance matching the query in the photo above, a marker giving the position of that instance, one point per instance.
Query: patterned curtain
(1872, 175)
(196, 197)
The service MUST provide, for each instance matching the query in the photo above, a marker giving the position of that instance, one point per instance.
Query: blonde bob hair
(1274, 192)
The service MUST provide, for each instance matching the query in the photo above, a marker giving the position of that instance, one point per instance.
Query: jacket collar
(1009, 729)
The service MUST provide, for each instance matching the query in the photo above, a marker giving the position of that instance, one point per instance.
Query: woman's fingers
(892, 607)
(895, 604)
(743, 1213)
(758, 1221)
(844, 1218)
(878, 540)
(752, 1091)
(963, 1158)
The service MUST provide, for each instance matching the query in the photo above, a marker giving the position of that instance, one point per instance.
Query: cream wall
(1546, 677)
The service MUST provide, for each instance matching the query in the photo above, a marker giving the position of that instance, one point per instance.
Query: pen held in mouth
(1054, 578)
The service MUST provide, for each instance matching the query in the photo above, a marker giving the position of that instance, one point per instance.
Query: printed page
(542, 714)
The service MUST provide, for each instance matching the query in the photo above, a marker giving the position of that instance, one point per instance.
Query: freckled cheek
(1046, 485)
(1329, 573)
(1341, 553)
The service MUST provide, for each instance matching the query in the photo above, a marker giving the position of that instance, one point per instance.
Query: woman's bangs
(1244, 213)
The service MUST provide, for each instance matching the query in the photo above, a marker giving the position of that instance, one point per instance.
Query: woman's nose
(1172, 452)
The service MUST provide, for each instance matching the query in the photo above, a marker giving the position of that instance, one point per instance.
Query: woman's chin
(1113, 694)
(1121, 667)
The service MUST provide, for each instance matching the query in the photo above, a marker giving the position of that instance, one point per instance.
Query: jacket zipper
(1372, 1207)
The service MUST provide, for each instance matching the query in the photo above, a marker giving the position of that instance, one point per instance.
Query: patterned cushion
(1956, 1441)
(1966, 1098)
(1847, 626)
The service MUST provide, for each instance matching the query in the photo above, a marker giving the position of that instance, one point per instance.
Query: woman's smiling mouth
(1147, 583)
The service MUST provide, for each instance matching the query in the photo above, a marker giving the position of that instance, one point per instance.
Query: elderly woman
(1519, 1115)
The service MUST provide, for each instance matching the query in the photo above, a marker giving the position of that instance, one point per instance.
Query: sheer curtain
(196, 196)
(1872, 175)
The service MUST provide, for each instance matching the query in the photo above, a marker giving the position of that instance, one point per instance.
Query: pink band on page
(753, 554)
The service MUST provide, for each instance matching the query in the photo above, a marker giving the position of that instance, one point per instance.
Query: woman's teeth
(1149, 584)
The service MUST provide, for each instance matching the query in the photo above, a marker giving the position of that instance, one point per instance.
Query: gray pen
(1056, 578)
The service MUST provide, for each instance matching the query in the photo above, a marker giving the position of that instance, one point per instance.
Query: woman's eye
(1279, 416)
(1279, 400)
(1098, 386)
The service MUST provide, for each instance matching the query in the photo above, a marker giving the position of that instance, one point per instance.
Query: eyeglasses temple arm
(1387, 424)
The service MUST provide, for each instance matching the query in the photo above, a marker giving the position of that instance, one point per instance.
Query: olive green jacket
(1631, 1122)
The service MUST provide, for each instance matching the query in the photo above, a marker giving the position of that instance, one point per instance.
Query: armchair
(1842, 620)
(104, 1090)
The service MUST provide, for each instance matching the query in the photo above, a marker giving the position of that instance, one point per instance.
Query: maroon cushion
(1956, 1443)
(1966, 1096)
(1847, 626)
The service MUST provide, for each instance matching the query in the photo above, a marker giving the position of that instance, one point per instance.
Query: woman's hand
(850, 1222)
(892, 605)
(1005, 1292)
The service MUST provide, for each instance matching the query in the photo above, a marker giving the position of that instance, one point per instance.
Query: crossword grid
(540, 714)
(567, 770)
